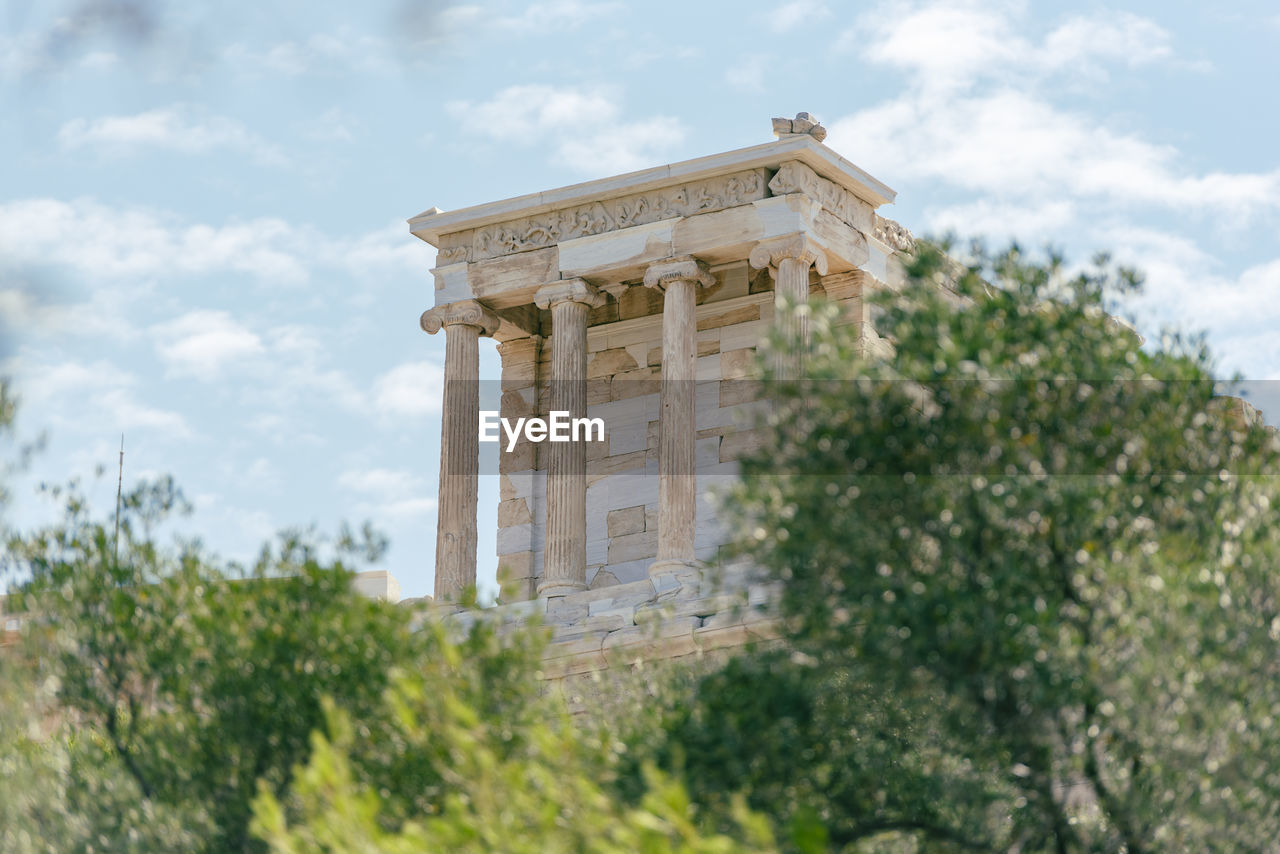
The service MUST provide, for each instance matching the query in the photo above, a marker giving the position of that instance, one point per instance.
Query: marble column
(678, 279)
(464, 322)
(565, 554)
(788, 260)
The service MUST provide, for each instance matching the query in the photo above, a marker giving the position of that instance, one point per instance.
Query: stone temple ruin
(639, 300)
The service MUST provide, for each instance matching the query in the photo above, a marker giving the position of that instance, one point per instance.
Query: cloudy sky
(202, 237)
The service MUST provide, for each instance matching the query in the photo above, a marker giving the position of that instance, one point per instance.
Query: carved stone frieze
(795, 177)
(535, 232)
(894, 234)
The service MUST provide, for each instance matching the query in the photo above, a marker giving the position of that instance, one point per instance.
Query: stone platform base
(672, 616)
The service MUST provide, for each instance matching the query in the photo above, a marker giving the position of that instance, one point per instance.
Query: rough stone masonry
(637, 301)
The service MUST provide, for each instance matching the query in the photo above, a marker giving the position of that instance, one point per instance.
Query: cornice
(434, 224)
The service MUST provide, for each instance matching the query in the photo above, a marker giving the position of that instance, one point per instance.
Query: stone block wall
(600, 638)
(624, 372)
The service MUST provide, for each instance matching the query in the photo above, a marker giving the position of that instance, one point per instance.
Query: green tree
(195, 681)
(1042, 557)
(158, 694)
(834, 762)
(517, 777)
(60, 788)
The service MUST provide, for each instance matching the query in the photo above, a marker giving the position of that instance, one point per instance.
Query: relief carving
(895, 235)
(797, 178)
(536, 232)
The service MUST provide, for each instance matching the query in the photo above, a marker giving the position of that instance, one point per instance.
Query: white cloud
(390, 249)
(980, 123)
(621, 148)
(942, 41)
(421, 508)
(391, 494)
(123, 411)
(102, 396)
(972, 116)
(279, 429)
(952, 43)
(790, 15)
(519, 112)
(380, 482)
(296, 368)
(279, 366)
(558, 15)
(203, 343)
(412, 390)
(176, 128)
(44, 382)
(1000, 220)
(1185, 281)
(1118, 36)
(1013, 144)
(99, 241)
(584, 127)
(320, 53)
(1187, 288)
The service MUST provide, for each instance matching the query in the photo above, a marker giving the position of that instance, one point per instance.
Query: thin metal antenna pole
(119, 485)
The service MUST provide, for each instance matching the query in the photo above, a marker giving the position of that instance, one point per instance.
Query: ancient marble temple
(639, 300)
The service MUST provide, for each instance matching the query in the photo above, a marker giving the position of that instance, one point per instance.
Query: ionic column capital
(769, 253)
(467, 312)
(568, 290)
(662, 273)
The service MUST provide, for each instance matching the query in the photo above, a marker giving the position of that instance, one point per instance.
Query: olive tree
(1030, 584)
(498, 766)
(192, 680)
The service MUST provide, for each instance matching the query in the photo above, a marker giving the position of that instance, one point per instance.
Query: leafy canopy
(523, 778)
(1030, 604)
(1054, 539)
(164, 702)
(195, 680)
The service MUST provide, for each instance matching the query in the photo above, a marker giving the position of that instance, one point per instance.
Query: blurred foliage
(1028, 596)
(160, 701)
(8, 411)
(15, 457)
(1028, 566)
(195, 681)
(61, 790)
(518, 776)
(836, 762)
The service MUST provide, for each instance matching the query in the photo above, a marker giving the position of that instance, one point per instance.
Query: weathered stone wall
(674, 272)
(598, 637)
(624, 372)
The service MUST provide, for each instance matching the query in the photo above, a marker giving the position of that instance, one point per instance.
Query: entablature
(716, 209)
